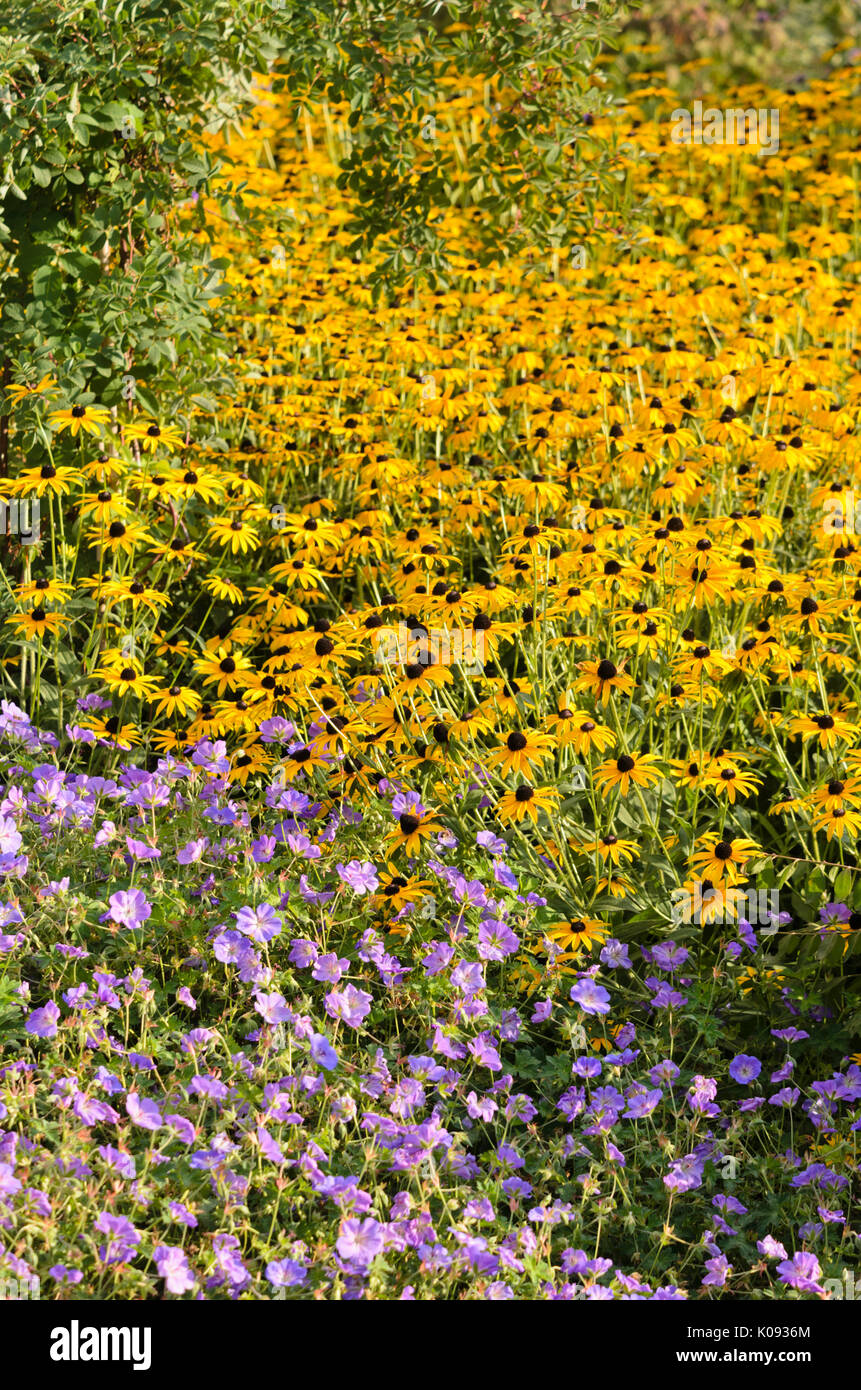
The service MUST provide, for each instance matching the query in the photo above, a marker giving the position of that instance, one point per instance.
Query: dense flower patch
(372, 921)
(228, 1081)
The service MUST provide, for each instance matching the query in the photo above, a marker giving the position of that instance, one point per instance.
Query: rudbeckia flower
(722, 856)
(621, 772)
(601, 678)
(89, 418)
(520, 751)
(526, 801)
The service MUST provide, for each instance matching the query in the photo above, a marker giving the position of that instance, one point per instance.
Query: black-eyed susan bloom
(836, 793)
(151, 435)
(521, 750)
(731, 781)
(88, 418)
(422, 677)
(118, 537)
(46, 480)
(234, 533)
(223, 589)
(126, 680)
(44, 590)
(576, 934)
(112, 733)
(610, 848)
(828, 729)
(601, 678)
(302, 758)
(36, 622)
(396, 892)
(526, 801)
(839, 823)
(638, 770)
(20, 391)
(583, 733)
(722, 856)
(247, 762)
(414, 823)
(222, 668)
(176, 699)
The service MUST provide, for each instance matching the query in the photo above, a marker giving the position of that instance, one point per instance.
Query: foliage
(101, 155)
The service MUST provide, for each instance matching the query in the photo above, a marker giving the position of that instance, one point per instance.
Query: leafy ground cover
(387, 744)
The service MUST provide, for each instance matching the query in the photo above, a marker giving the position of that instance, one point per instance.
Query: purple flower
(123, 1164)
(360, 1241)
(139, 849)
(787, 1097)
(719, 1269)
(172, 1266)
(801, 1272)
(286, 1274)
(589, 997)
(194, 850)
(503, 875)
(587, 1067)
(272, 1008)
(181, 1214)
(487, 840)
(496, 940)
(615, 954)
(359, 875)
(685, 1173)
(666, 1071)
(771, 1248)
(263, 849)
(639, 1106)
(744, 1069)
(129, 908)
(349, 1004)
(143, 1113)
(834, 912)
(483, 1049)
(42, 1023)
(322, 1052)
(468, 977)
(668, 955)
(260, 923)
(329, 968)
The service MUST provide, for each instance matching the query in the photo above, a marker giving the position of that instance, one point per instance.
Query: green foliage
(103, 271)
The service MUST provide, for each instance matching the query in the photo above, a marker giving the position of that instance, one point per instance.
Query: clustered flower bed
(225, 1075)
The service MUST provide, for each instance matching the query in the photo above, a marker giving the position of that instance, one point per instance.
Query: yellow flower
(127, 680)
(236, 534)
(89, 418)
(621, 772)
(520, 751)
(575, 934)
(526, 801)
(19, 391)
(177, 699)
(151, 435)
(37, 621)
